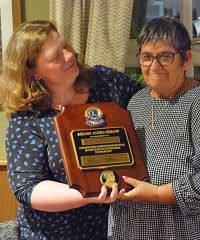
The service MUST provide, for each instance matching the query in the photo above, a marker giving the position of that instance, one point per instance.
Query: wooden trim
(3, 161)
(8, 202)
(16, 12)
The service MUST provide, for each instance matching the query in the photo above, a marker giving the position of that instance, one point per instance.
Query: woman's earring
(37, 77)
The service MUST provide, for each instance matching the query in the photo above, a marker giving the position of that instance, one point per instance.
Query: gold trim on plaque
(102, 154)
(3, 161)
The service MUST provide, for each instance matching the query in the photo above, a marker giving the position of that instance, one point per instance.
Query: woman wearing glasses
(167, 120)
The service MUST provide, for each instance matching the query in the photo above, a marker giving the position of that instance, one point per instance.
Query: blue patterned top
(172, 155)
(33, 156)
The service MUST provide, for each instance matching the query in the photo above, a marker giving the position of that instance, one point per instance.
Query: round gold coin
(108, 178)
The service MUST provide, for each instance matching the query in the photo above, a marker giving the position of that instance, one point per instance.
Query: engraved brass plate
(102, 148)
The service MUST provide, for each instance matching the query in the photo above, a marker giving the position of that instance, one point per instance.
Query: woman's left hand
(142, 191)
(104, 197)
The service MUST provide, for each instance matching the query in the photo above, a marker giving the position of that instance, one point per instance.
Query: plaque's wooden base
(87, 180)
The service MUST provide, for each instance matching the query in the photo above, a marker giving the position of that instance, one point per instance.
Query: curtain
(98, 30)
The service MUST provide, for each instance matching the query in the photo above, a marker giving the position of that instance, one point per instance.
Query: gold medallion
(108, 178)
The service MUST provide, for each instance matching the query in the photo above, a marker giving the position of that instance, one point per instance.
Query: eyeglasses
(164, 59)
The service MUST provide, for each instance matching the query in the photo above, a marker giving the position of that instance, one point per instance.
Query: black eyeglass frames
(164, 59)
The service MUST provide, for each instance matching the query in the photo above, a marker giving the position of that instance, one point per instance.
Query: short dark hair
(168, 29)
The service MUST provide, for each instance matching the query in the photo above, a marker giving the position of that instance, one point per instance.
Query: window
(148, 9)
(196, 18)
(188, 11)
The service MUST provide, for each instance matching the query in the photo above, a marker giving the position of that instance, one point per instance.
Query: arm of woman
(118, 86)
(184, 189)
(53, 196)
(36, 180)
(144, 191)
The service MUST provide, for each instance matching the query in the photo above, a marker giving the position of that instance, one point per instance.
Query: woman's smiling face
(163, 80)
(56, 64)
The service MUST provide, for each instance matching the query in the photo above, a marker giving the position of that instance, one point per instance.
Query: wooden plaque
(98, 145)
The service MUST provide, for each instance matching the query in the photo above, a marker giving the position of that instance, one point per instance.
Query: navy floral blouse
(33, 156)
